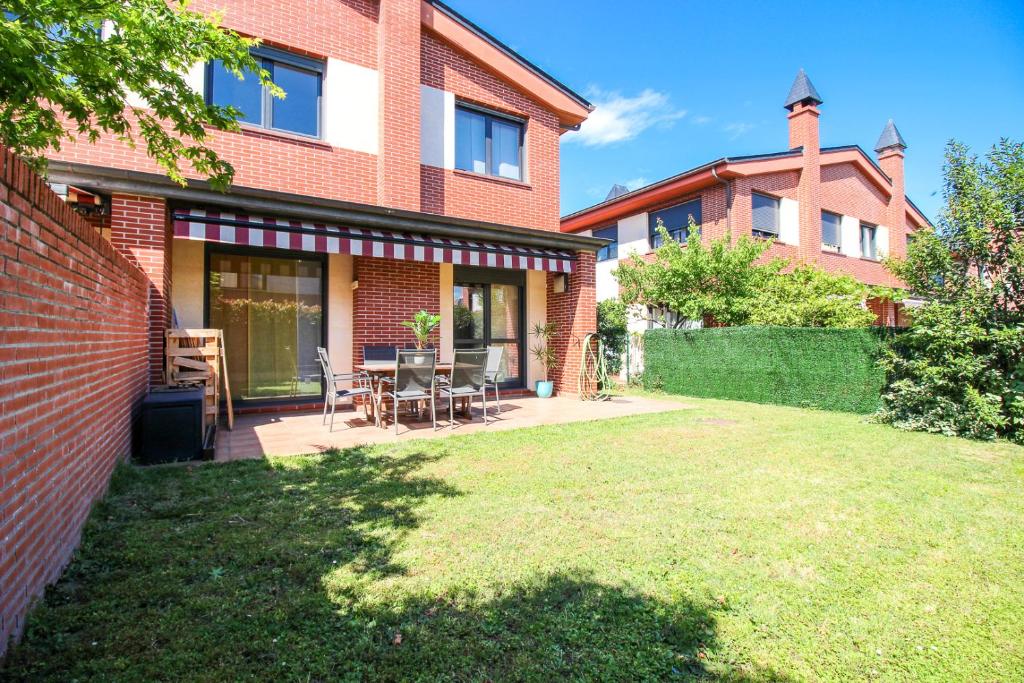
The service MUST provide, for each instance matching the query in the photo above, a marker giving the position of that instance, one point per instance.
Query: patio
(258, 435)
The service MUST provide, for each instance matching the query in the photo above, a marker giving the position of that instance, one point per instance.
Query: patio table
(379, 370)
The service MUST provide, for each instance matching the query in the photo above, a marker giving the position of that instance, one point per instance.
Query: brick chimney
(802, 103)
(890, 148)
(398, 158)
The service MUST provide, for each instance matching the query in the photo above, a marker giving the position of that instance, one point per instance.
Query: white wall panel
(350, 106)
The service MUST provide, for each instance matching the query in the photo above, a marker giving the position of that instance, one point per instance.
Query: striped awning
(286, 233)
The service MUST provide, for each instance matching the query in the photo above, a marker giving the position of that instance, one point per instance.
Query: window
(765, 211)
(676, 220)
(830, 230)
(868, 242)
(610, 251)
(271, 311)
(488, 143)
(299, 77)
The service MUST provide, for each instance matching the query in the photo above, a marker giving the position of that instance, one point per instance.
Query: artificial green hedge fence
(831, 369)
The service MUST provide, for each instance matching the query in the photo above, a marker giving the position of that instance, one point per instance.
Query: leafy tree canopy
(811, 297)
(960, 368)
(70, 66)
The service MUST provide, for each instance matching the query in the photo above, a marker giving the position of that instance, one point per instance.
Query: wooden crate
(196, 356)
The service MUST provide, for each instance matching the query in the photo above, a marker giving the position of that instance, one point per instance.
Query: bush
(832, 369)
(611, 328)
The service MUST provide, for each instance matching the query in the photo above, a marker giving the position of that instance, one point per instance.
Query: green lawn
(727, 541)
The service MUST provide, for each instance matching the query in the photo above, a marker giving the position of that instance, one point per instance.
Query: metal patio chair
(359, 385)
(467, 380)
(492, 372)
(413, 381)
(379, 354)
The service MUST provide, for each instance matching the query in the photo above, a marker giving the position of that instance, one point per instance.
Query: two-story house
(834, 207)
(414, 164)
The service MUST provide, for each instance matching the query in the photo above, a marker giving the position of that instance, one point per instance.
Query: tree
(70, 68)
(960, 368)
(694, 280)
(811, 297)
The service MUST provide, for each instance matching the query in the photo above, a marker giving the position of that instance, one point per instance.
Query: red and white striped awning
(285, 233)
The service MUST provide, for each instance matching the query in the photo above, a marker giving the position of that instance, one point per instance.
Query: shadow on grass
(286, 570)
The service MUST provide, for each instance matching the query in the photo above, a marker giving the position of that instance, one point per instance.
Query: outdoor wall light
(561, 284)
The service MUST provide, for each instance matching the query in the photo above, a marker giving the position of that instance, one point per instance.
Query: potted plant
(545, 355)
(422, 324)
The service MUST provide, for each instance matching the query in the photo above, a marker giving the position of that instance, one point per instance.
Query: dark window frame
(609, 251)
(760, 232)
(267, 57)
(475, 276)
(212, 248)
(490, 116)
(680, 234)
(873, 229)
(839, 231)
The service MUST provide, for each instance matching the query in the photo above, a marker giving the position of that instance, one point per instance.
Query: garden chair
(379, 354)
(359, 385)
(413, 381)
(492, 373)
(467, 380)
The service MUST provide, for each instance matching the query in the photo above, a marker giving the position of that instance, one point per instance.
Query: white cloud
(735, 130)
(635, 183)
(617, 118)
(700, 120)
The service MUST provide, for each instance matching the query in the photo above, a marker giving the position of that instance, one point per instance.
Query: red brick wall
(575, 314)
(139, 229)
(532, 204)
(73, 368)
(390, 292)
(398, 164)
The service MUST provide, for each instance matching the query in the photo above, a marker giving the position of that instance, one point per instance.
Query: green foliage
(696, 280)
(811, 297)
(820, 368)
(64, 77)
(421, 325)
(960, 369)
(542, 350)
(611, 327)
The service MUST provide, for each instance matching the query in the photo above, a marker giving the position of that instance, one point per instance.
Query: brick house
(834, 207)
(413, 165)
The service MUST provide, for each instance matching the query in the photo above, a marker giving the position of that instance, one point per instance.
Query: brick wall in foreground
(73, 368)
(575, 314)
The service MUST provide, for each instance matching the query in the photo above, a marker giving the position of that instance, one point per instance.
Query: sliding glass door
(492, 314)
(271, 310)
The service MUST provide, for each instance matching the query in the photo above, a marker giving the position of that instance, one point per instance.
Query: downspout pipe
(728, 199)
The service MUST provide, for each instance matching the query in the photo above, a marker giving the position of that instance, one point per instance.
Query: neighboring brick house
(834, 207)
(414, 164)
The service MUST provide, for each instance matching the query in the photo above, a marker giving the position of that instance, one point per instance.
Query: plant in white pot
(421, 325)
(545, 355)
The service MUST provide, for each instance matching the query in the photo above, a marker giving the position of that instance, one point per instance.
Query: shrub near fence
(832, 369)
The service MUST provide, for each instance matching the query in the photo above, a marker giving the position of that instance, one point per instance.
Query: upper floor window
(676, 220)
(610, 251)
(765, 212)
(868, 241)
(300, 77)
(830, 230)
(488, 143)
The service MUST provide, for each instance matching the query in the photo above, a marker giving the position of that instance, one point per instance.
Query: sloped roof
(802, 90)
(890, 137)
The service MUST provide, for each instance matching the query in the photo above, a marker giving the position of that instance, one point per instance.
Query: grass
(728, 541)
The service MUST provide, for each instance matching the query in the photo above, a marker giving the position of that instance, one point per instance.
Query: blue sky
(683, 83)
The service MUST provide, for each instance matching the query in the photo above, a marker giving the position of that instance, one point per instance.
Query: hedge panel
(831, 369)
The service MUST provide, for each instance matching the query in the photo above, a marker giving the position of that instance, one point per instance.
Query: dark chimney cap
(616, 191)
(890, 137)
(802, 91)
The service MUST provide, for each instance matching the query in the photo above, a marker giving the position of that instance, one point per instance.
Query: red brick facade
(73, 347)
(390, 292)
(575, 313)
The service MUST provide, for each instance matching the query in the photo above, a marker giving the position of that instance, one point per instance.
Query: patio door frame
(471, 276)
(212, 248)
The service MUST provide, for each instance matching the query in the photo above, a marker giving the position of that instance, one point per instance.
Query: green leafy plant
(959, 370)
(613, 331)
(81, 70)
(542, 350)
(810, 297)
(422, 324)
(695, 280)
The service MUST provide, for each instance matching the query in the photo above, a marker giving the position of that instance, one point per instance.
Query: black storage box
(171, 428)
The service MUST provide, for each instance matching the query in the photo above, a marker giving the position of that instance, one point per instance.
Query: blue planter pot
(544, 388)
